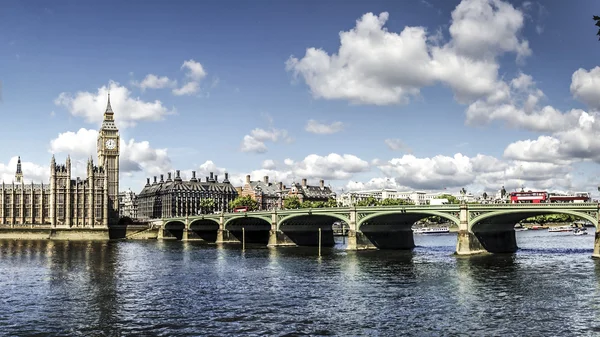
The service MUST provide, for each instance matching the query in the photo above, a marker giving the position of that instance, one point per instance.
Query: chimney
(147, 181)
(161, 178)
(216, 178)
(207, 179)
(322, 183)
(226, 181)
(281, 186)
(194, 176)
(247, 179)
(266, 179)
(211, 176)
(178, 174)
(169, 176)
(304, 182)
(155, 179)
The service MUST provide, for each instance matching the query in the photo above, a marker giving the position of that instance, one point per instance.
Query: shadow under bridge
(173, 230)
(303, 229)
(252, 229)
(204, 229)
(393, 230)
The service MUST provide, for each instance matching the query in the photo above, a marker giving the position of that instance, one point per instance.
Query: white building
(127, 204)
(417, 197)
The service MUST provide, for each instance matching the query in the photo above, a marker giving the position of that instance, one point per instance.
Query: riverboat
(432, 230)
(580, 231)
(561, 229)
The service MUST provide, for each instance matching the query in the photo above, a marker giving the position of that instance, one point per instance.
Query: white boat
(580, 231)
(433, 230)
(561, 229)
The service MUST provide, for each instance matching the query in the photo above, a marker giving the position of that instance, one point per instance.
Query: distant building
(176, 197)
(268, 195)
(306, 192)
(351, 198)
(127, 204)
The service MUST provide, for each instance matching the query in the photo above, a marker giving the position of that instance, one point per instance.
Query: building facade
(127, 204)
(176, 197)
(66, 202)
(267, 195)
(305, 192)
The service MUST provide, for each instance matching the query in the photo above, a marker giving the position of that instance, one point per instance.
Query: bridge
(482, 228)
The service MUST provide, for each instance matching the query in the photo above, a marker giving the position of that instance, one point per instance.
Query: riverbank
(33, 232)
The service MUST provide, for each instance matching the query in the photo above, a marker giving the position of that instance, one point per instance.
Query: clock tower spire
(108, 158)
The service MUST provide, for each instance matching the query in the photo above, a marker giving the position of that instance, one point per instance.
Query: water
(153, 288)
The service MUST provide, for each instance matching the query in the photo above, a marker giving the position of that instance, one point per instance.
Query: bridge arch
(495, 220)
(248, 218)
(202, 223)
(407, 216)
(310, 214)
(174, 229)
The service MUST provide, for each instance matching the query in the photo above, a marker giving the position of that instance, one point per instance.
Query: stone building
(268, 195)
(306, 192)
(175, 197)
(127, 204)
(66, 202)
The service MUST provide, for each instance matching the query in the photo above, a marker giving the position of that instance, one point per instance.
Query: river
(551, 286)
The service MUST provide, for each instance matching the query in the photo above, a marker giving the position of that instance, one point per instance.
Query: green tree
(206, 205)
(597, 19)
(369, 201)
(318, 204)
(306, 204)
(331, 203)
(291, 203)
(246, 201)
(394, 202)
(451, 199)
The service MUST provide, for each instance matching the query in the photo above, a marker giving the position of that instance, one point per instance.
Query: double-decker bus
(240, 209)
(546, 197)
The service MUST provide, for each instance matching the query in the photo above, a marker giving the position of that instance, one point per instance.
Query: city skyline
(421, 95)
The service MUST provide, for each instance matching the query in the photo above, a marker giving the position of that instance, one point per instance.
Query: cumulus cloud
(31, 172)
(585, 86)
(396, 144)
(319, 128)
(269, 164)
(377, 66)
(255, 141)
(152, 81)
(128, 110)
(195, 73)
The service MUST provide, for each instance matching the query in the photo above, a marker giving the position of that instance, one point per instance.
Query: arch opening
(203, 229)
(393, 230)
(173, 230)
(255, 230)
(496, 230)
(303, 229)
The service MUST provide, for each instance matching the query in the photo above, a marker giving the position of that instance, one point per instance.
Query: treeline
(549, 218)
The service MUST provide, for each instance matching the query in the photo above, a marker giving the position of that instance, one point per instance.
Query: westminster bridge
(481, 227)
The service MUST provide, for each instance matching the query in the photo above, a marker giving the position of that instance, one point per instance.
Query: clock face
(111, 144)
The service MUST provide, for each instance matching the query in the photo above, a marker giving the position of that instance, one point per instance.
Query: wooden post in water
(243, 238)
(319, 242)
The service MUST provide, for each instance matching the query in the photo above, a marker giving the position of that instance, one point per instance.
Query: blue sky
(382, 81)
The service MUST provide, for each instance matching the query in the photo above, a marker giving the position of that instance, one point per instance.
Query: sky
(428, 95)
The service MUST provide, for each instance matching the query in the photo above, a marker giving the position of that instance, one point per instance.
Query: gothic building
(66, 202)
(176, 197)
(268, 195)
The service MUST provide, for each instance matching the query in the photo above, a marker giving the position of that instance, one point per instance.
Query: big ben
(108, 158)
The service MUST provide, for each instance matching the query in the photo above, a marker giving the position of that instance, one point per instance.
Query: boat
(561, 229)
(580, 231)
(432, 230)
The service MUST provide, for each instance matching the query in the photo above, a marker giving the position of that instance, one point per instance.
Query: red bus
(545, 197)
(240, 209)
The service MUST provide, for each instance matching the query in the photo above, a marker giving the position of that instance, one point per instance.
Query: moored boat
(561, 229)
(431, 230)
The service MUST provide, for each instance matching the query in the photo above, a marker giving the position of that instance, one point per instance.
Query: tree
(206, 205)
(451, 199)
(369, 201)
(503, 192)
(597, 19)
(394, 202)
(306, 204)
(331, 203)
(292, 203)
(246, 201)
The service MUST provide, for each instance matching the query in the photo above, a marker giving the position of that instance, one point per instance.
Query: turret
(19, 173)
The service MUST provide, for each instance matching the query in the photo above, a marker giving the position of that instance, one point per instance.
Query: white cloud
(134, 156)
(319, 128)
(128, 110)
(396, 144)
(376, 66)
(189, 88)
(152, 81)
(195, 69)
(255, 141)
(333, 166)
(269, 164)
(585, 86)
(373, 184)
(288, 162)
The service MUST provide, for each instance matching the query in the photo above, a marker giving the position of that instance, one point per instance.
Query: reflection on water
(171, 288)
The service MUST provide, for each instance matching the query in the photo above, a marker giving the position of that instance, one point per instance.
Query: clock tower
(108, 158)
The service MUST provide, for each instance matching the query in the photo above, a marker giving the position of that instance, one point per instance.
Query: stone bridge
(481, 228)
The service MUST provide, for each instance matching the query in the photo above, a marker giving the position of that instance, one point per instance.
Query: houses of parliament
(65, 202)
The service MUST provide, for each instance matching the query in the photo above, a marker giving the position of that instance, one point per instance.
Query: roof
(313, 192)
(180, 185)
(268, 189)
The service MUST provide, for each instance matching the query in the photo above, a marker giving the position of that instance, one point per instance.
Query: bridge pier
(596, 253)
(278, 239)
(225, 236)
(357, 240)
(468, 244)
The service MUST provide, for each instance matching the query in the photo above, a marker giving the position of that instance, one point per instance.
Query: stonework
(66, 202)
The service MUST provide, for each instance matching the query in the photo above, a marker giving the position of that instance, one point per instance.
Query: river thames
(551, 287)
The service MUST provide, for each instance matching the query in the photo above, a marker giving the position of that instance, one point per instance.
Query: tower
(108, 158)
(19, 174)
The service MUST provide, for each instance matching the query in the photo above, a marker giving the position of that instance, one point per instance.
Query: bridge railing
(530, 205)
